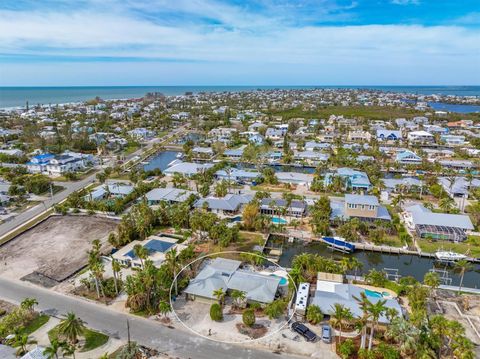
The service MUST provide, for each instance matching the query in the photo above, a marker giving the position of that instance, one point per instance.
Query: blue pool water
(154, 245)
(374, 294)
(283, 280)
(278, 220)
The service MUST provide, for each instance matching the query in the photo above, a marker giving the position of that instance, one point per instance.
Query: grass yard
(471, 245)
(270, 188)
(393, 241)
(92, 339)
(35, 324)
(245, 243)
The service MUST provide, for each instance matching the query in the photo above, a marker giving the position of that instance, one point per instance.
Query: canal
(160, 160)
(407, 265)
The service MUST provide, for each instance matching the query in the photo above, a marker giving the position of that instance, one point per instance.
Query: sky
(239, 42)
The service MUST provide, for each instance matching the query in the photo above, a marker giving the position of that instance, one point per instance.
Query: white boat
(448, 256)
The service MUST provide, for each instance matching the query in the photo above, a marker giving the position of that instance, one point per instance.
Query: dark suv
(304, 331)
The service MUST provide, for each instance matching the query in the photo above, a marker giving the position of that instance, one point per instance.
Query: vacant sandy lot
(54, 249)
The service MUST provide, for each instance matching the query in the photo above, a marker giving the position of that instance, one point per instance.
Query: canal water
(407, 265)
(450, 107)
(160, 161)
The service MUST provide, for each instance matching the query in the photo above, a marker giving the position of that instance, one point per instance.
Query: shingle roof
(231, 202)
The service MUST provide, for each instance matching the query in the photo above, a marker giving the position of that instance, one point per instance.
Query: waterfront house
(141, 134)
(226, 274)
(401, 184)
(226, 206)
(459, 187)
(169, 195)
(205, 153)
(457, 164)
(317, 146)
(234, 154)
(237, 175)
(353, 179)
(295, 178)
(363, 207)
(187, 169)
(427, 224)
(328, 293)
(278, 207)
(407, 157)
(311, 157)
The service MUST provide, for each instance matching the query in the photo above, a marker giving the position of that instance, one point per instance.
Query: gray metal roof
(187, 168)
(280, 202)
(361, 199)
(407, 181)
(258, 287)
(423, 216)
(169, 194)
(231, 202)
(224, 274)
(330, 294)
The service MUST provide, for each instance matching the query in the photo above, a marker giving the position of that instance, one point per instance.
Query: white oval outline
(232, 342)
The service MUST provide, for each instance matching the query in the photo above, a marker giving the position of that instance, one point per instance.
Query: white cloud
(246, 43)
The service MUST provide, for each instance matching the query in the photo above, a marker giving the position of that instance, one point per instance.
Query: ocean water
(18, 96)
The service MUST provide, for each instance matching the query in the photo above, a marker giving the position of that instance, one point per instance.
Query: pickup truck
(304, 331)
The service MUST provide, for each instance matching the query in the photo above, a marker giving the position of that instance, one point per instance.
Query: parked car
(304, 331)
(326, 334)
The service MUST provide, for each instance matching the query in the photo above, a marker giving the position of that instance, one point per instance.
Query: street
(174, 342)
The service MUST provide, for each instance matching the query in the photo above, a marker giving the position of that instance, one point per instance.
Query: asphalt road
(174, 342)
(70, 187)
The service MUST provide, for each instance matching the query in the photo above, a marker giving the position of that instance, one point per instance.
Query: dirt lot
(54, 249)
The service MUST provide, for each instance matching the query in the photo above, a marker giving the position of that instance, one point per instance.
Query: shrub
(248, 317)
(216, 313)
(347, 349)
(314, 314)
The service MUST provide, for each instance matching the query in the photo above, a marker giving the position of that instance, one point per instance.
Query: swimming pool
(278, 220)
(154, 245)
(374, 294)
(283, 280)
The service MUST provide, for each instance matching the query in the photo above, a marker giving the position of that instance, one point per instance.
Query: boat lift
(392, 274)
(443, 275)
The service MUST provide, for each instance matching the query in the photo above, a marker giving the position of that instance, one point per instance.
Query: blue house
(408, 157)
(38, 163)
(355, 180)
(389, 135)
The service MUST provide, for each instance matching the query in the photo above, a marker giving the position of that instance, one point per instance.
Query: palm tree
(375, 310)
(69, 350)
(461, 267)
(238, 297)
(21, 342)
(164, 308)
(341, 315)
(219, 294)
(71, 327)
(362, 323)
(171, 259)
(314, 314)
(116, 268)
(355, 265)
(404, 333)
(29, 304)
(52, 350)
(446, 204)
(432, 279)
(141, 253)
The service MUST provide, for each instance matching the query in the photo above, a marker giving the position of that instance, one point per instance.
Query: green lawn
(35, 324)
(93, 339)
(471, 245)
(393, 241)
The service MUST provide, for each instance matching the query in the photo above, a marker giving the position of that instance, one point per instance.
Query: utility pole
(128, 335)
(51, 191)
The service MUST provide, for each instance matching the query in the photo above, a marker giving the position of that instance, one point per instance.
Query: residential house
(408, 157)
(227, 275)
(226, 206)
(169, 195)
(443, 226)
(363, 207)
(389, 135)
(280, 207)
(353, 179)
(359, 135)
(420, 137)
(187, 169)
(110, 190)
